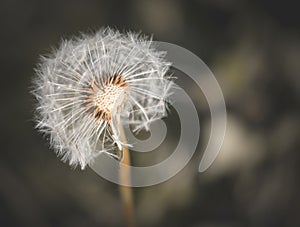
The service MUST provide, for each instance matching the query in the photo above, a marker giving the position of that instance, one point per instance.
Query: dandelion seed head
(90, 85)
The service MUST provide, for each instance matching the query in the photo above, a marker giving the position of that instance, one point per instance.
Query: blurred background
(253, 49)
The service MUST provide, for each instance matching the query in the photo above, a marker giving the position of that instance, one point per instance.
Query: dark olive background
(253, 49)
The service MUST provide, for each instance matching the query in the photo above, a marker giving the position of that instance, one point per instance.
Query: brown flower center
(101, 99)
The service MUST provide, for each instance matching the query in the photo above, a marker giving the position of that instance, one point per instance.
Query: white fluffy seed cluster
(94, 84)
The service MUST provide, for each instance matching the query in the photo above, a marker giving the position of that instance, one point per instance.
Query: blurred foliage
(253, 49)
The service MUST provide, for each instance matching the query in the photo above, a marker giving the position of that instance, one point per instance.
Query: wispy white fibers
(93, 84)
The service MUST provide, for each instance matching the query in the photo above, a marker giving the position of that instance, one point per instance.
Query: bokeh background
(252, 47)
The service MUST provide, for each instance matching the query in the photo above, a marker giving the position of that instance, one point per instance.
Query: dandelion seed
(94, 83)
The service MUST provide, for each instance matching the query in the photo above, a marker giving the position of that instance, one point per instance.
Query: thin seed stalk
(125, 179)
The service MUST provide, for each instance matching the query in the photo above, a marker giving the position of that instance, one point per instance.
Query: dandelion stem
(125, 179)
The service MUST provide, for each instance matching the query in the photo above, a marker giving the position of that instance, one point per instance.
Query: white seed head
(93, 84)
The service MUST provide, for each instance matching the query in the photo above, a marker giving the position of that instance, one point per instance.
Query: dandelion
(93, 84)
